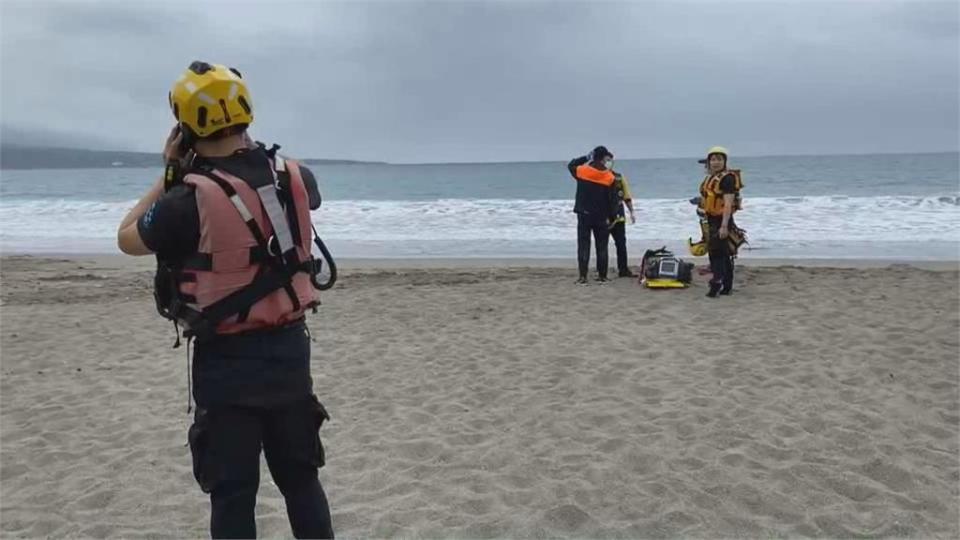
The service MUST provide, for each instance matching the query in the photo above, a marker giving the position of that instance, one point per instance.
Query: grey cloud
(934, 21)
(503, 80)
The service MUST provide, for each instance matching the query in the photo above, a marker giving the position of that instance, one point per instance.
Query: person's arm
(729, 190)
(628, 198)
(576, 162)
(313, 190)
(728, 199)
(128, 236)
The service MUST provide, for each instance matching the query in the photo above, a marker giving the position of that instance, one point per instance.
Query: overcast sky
(497, 81)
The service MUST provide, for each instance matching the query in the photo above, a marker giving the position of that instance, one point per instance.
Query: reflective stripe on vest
(275, 212)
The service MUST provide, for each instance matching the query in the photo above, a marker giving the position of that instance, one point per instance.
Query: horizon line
(406, 163)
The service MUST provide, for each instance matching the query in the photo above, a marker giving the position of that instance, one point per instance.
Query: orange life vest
(711, 197)
(589, 174)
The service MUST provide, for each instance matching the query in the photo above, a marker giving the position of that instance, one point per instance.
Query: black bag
(662, 264)
(165, 290)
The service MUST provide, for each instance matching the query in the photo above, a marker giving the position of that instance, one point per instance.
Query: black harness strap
(292, 219)
(205, 323)
(245, 312)
(204, 261)
(286, 196)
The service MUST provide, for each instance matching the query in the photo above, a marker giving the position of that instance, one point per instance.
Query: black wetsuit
(594, 213)
(619, 229)
(721, 260)
(252, 390)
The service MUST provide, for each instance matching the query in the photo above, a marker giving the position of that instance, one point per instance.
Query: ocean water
(885, 206)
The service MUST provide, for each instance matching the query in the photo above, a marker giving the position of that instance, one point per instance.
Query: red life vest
(239, 245)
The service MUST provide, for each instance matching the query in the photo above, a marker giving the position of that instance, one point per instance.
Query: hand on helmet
(172, 150)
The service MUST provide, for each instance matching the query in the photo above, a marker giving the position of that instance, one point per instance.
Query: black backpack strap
(277, 201)
(282, 169)
(204, 261)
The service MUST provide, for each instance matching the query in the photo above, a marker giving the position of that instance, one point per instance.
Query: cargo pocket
(198, 436)
(320, 416)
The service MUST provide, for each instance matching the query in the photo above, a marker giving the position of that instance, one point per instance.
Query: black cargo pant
(601, 235)
(253, 392)
(721, 260)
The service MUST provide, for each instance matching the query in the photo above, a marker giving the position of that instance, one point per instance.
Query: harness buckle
(273, 246)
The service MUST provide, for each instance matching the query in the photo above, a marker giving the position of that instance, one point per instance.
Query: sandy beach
(500, 400)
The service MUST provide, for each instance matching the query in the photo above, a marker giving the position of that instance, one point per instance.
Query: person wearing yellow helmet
(229, 223)
(719, 200)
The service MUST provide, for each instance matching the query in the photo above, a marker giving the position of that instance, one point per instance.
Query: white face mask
(608, 163)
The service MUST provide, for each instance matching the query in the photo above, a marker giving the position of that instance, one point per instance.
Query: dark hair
(706, 160)
(226, 132)
(601, 152)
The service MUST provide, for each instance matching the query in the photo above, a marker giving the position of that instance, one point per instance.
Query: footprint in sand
(733, 459)
(642, 464)
(888, 474)
(418, 450)
(687, 464)
(786, 431)
(567, 518)
(648, 392)
(767, 452)
(700, 401)
(97, 500)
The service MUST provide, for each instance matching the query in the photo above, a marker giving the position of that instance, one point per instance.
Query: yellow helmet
(210, 97)
(716, 150)
(698, 249)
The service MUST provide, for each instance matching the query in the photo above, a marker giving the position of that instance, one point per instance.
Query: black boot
(714, 290)
(728, 280)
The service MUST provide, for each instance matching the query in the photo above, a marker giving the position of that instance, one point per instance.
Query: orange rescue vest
(590, 174)
(711, 197)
